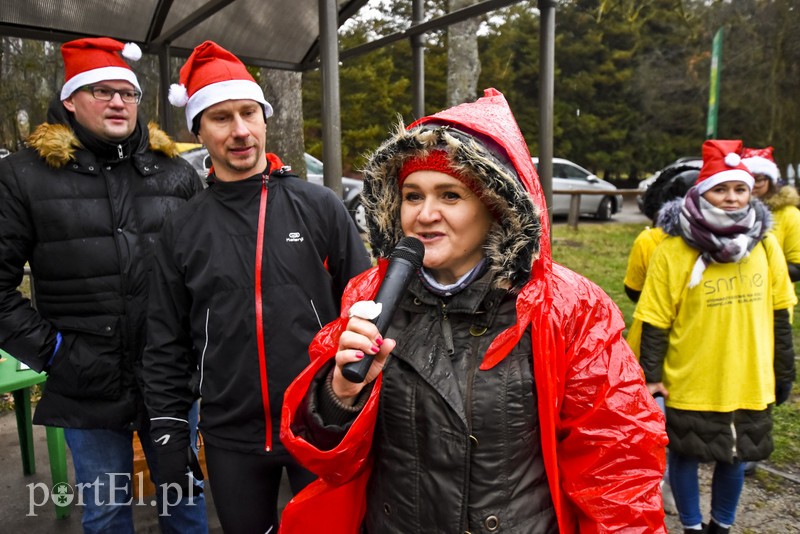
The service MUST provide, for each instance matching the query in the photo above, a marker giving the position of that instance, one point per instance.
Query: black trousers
(245, 487)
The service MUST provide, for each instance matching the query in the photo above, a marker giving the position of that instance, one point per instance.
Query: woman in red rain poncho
(502, 397)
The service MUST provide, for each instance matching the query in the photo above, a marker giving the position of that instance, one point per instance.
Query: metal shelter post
(418, 62)
(164, 107)
(331, 105)
(547, 30)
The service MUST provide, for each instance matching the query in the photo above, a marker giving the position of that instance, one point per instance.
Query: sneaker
(667, 499)
(750, 468)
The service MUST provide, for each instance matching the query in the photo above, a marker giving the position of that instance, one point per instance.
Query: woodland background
(631, 84)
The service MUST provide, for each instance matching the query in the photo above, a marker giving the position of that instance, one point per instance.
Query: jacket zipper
(447, 332)
(262, 359)
(733, 433)
(203, 354)
(120, 152)
(472, 441)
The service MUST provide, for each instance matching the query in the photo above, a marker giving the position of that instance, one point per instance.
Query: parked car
(351, 191)
(570, 176)
(644, 185)
(197, 155)
(684, 164)
(670, 182)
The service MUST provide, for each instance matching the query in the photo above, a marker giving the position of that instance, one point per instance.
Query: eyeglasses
(106, 94)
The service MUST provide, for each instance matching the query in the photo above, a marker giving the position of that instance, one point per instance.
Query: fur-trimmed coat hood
(786, 196)
(57, 143)
(482, 140)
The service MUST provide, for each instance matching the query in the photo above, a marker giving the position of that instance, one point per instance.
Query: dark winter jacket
(204, 336)
(86, 222)
(469, 433)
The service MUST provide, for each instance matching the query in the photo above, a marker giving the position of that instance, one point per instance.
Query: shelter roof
(281, 34)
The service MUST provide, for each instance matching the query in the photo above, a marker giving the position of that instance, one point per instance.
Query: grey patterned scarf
(720, 236)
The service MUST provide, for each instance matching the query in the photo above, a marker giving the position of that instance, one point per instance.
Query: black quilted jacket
(87, 225)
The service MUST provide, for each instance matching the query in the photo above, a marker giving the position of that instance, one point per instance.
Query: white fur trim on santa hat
(725, 176)
(221, 91)
(759, 165)
(103, 74)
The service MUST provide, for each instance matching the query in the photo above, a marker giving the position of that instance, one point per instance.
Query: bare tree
(463, 63)
(283, 90)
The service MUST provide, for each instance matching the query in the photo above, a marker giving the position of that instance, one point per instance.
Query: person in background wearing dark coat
(502, 397)
(716, 336)
(84, 205)
(246, 274)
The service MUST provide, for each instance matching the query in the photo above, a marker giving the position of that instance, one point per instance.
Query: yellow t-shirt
(721, 342)
(786, 228)
(639, 256)
(638, 260)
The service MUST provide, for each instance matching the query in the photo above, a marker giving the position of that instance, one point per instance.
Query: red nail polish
(379, 341)
(375, 349)
(359, 354)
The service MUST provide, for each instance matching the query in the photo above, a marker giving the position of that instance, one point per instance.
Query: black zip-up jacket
(86, 221)
(203, 336)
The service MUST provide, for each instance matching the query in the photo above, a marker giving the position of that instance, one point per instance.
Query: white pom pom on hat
(722, 162)
(732, 159)
(132, 52)
(178, 96)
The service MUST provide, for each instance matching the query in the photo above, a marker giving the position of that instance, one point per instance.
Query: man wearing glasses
(83, 205)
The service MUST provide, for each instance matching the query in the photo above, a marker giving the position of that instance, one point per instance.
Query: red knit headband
(436, 160)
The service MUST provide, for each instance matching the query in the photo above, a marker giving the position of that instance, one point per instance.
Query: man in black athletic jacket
(244, 277)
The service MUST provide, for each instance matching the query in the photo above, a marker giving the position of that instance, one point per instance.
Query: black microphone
(404, 261)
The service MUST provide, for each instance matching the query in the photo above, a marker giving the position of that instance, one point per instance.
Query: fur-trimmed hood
(786, 196)
(57, 143)
(481, 139)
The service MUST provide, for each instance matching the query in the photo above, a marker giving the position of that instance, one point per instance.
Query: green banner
(713, 90)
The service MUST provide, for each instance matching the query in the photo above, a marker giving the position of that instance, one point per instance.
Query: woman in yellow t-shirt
(781, 201)
(716, 337)
(671, 184)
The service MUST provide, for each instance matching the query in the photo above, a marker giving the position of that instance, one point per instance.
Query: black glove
(782, 392)
(178, 465)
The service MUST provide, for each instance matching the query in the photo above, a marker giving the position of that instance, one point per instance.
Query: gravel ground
(770, 504)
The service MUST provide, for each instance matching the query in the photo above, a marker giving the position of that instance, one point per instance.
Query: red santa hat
(722, 162)
(212, 75)
(97, 59)
(760, 161)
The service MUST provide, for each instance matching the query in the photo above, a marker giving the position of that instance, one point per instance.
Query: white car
(571, 176)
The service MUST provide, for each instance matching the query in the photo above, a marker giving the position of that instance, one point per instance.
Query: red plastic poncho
(603, 435)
